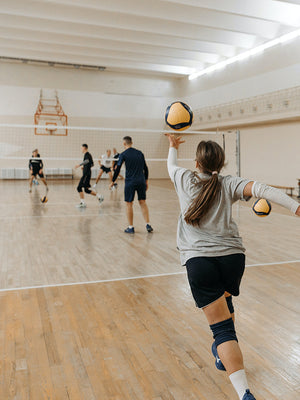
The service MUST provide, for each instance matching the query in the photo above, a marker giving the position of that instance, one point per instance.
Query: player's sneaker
(129, 230)
(218, 361)
(115, 185)
(149, 228)
(100, 198)
(248, 395)
(81, 205)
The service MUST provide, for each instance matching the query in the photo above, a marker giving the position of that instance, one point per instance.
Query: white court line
(99, 214)
(129, 278)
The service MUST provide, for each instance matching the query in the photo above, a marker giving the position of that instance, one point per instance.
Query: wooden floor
(90, 313)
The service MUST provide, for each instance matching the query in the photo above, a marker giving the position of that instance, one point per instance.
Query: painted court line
(130, 278)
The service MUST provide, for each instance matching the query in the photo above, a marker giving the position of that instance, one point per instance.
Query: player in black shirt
(84, 182)
(36, 168)
(136, 180)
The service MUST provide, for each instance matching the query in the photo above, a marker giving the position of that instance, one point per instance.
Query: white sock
(239, 382)
(130, 226)
(82, 201)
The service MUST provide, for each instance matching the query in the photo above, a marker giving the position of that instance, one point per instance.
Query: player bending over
(84, 182)
(211, 248)
(36, 168)
(105, 166)
(136, 180)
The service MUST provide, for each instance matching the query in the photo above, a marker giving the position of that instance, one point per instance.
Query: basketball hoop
(51, 128)
(50, 118)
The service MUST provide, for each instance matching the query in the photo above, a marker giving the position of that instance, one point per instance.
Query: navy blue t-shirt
(136, 167)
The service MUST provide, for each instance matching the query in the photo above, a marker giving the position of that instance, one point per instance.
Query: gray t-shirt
(217, 234)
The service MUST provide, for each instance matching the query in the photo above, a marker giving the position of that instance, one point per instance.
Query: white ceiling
(173, 37)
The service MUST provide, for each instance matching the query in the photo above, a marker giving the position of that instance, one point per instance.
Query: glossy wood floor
(116, 333)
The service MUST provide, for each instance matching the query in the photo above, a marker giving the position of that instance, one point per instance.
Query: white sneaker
(81, 205)
(100, 198)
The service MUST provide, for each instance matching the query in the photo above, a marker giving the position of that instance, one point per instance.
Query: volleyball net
(60, 153)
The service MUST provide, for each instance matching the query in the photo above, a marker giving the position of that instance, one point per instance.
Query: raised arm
(172, 157)
(261, 190)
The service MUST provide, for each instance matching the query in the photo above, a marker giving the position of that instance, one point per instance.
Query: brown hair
(127, 140)
(210, 157)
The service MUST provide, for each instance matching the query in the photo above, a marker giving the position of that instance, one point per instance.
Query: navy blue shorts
(211, 277)
(131, 188)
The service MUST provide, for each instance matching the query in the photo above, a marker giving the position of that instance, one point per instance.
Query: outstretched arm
(175, 142)
(261, 190)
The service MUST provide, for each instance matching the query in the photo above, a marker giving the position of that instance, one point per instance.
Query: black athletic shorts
(84, 182)
(132, 187)
(105, 169)
(36, 172)
(210, 277)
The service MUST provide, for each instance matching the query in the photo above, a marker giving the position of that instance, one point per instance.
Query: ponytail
(210, 157)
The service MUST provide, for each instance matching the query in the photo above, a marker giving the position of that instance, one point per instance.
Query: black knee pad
(223, 331)
(87, 190)
(229, 304)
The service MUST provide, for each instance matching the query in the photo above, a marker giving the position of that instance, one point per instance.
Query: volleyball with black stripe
(179, 116)
(262, 207)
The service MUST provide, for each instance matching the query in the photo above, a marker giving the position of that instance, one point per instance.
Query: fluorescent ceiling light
(256, 50)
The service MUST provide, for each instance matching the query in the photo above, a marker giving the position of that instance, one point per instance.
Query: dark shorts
(37, 172)
(132, 187)
(211, 277)
(84, 183)
(105, 169)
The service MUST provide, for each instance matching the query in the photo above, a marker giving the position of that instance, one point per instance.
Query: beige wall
(271, 153)
(89, 98)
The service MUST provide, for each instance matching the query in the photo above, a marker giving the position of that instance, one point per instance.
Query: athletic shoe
(81, 205)
(218, 362)
(129, 230)
(115, 185)
(248, 395)
(100, 198)
(149, 228)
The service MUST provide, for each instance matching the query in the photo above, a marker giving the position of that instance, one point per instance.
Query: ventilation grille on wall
(281, 104)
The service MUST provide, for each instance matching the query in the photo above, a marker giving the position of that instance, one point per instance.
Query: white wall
(275, 69)
(269, 153)
(89, 98)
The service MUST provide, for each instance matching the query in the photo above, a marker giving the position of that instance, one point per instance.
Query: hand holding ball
(262, 207)
(179, 116)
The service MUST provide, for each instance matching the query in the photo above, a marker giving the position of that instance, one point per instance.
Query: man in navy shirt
(136, 180)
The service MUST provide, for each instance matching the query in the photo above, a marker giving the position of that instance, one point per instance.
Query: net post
(238, 152)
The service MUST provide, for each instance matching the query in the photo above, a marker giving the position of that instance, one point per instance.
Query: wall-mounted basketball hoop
(50, 118)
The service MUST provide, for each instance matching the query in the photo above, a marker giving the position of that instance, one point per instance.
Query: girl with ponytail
(211, 248)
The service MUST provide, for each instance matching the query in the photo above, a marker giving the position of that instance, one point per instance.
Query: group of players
(136, 177)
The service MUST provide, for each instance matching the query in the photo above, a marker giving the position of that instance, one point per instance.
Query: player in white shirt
(105, 166)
